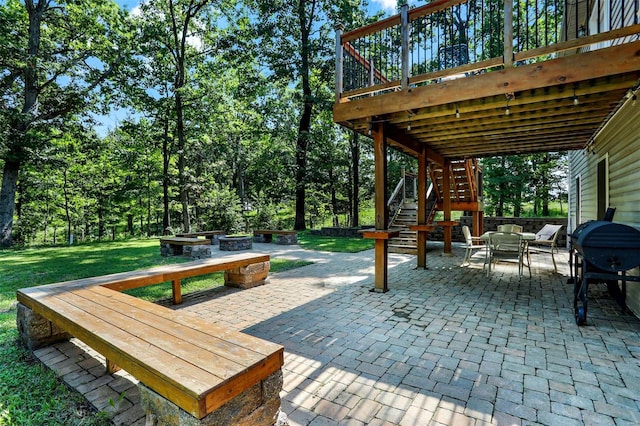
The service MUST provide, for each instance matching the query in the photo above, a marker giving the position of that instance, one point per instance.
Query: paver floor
(445, 346)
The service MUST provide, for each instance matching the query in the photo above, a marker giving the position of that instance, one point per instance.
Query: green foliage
(220, 208)
(511, 182)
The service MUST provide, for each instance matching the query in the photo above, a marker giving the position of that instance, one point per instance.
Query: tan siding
(620, 139)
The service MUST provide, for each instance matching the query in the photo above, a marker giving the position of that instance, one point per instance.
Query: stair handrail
(432, 201)
(396, 191)
(396, 200)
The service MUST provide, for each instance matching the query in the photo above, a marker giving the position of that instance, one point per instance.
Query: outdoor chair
(545, 242)
(509, 228)
(470, 246)
(507, 246)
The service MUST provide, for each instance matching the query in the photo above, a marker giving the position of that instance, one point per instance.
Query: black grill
(603, 252)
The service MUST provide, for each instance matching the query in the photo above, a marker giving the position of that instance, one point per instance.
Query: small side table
(382, 237)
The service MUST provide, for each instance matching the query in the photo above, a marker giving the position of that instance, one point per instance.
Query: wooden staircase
(463, 177)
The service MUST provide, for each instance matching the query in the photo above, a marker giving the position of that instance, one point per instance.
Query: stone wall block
(258, 405)
(247, 276)
(36, 331)
(287, 239)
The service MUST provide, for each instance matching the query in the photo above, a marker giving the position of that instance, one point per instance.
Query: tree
(58, 54)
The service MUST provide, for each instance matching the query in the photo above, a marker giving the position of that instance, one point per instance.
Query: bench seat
(182, 361)
(184, 241)
(197, 365)
(175, 273)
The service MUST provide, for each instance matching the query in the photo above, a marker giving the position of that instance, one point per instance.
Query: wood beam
(565, 70)
(413, 146)
(422, 208)
(446, 189)
(382, 212)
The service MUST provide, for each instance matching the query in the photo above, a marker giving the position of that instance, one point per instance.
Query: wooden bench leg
(111, 367)
(177, 293)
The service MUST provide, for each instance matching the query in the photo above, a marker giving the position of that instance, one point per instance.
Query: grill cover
(608, 246)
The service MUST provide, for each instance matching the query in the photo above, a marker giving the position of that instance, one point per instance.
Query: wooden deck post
(422, 207)
(446, 194)
(382, 213)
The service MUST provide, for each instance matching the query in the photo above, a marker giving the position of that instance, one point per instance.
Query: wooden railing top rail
(394, 20)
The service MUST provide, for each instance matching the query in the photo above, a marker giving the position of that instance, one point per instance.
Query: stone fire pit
(236, 243)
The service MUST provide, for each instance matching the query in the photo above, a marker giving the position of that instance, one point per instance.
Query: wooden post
(177, 293)
(339, 59)
(404, 17)
(382, 212)
(422, 207)
(446, 194)
(508, 33)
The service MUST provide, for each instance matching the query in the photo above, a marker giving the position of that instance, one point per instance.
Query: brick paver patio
(445, 346)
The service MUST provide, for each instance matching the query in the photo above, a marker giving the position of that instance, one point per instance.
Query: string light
(507, 111)
(634, 98)
(457, 112)
(575, 98)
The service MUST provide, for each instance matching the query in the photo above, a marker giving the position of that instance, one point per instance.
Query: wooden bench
(283, 237)
(212, 236)
(174, 246)
(183, 362)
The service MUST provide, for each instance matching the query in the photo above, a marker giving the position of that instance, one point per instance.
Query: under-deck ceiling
(552, 106)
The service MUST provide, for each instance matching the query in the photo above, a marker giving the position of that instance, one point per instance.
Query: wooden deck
(551, 98)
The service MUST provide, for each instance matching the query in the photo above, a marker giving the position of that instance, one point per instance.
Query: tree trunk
(355, 164)
(182, 176)
(8, 200)
(66, 206)
(334, 198)
(130, 224)
(545, 187)
(305, 120)
(166, 158)
(14, 157)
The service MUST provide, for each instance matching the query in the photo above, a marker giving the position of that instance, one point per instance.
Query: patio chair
(507, 246)
(545, 242)
(470, 246)
(509, 228)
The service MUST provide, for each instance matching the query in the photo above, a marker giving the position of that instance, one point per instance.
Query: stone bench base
(195, 251)
(247, 276)
(259, 405)
(37, 332)
(287, 239)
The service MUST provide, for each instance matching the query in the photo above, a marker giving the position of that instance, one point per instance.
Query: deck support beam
(422, 208)
(446, 193)
(382, 212)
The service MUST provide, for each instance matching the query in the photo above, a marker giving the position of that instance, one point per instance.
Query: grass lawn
(335, 244)
(31, 394)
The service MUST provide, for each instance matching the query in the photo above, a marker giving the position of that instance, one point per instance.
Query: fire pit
(603, 252)
(236, 243)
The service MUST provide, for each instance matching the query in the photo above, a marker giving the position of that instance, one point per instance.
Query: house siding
(619, 141)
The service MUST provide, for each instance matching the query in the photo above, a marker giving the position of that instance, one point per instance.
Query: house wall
(619, 143)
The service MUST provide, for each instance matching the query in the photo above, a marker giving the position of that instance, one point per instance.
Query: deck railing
(447, 39)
